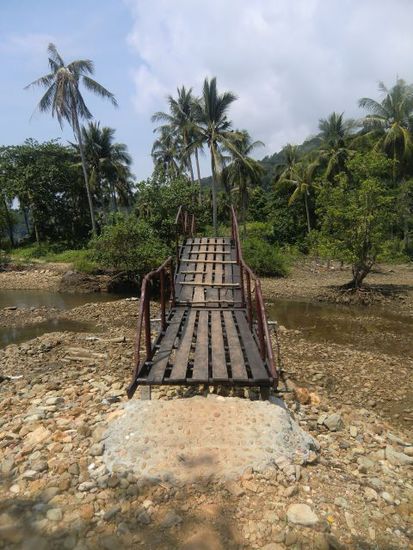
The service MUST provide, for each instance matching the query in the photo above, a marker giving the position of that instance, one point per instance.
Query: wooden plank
(210, 250)
(199, 294)
(180, 277)
(187, 293)
(179, 368)
(251, 349)
(189, 260)
(213, 294)
(161, 357)
(200, 371)
(239, 371)
(194, 283)
(218, 362)
(236, 277)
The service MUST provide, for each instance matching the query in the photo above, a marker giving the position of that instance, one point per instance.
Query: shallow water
(370, 328)
(43, 298)
(17, 335)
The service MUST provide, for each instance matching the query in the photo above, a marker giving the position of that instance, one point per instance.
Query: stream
(372, 329)
(43, 298)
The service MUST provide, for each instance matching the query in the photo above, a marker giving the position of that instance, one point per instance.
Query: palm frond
(98, 89)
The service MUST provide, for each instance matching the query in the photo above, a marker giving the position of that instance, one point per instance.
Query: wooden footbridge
(214, 330)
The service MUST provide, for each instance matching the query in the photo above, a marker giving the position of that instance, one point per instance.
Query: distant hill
(270, 162)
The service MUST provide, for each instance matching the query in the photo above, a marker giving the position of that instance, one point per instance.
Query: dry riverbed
(356, 491)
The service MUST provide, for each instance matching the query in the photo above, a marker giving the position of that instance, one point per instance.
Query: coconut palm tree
(301, 176)
(165, 152)
(64, 99)
(214, 129)
(391, 121)
(335, 134)
(180, 121)
(109, 163)
(290, 157)
(243, 172)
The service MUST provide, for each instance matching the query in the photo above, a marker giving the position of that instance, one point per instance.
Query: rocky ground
(67, 388)
(56, 491)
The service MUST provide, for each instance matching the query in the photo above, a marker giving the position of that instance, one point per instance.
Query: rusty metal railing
(185, 227)
(250, 284)
(165, 274)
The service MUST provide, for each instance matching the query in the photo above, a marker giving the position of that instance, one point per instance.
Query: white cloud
(289, 61)
(32, 44)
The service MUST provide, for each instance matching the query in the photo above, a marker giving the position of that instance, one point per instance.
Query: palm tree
(165, 152)
(214, 129)
(63, 99)
(243, 172)
(290, 157)
(391, 120)
(301, 176)
(334, 136)
(109, 163)
(180, 121)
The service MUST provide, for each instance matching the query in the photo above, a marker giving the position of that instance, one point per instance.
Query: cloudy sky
(290, 62)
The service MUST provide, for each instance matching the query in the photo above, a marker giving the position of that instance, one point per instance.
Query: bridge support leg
(145, 393)
(264, 393)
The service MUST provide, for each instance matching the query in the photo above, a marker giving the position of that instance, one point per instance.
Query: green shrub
(394, 251)
(264, 258)
(4, 258)
(129, 245)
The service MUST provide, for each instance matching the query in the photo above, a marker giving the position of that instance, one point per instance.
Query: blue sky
(289, 61)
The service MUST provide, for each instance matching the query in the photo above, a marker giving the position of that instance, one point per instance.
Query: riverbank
(66, 388)
(57, 491)
(391, 285)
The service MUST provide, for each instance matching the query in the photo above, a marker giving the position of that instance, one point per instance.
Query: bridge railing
(251, 285)
(164, 274)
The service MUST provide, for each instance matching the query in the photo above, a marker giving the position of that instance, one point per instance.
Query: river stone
(301, 514)
(334, 422)
(198, 437)
(396, 458)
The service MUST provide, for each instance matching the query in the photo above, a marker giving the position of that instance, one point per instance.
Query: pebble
(301, 514)
(54, 514)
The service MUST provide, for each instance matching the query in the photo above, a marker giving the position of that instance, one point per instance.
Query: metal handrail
(185, 226)
(163, 272)
(249, 279)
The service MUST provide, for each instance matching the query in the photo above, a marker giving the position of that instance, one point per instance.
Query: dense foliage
(345, 193)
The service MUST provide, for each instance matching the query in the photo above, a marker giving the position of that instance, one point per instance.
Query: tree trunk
(191, 169)
(198, 171)
(78, 135)
(26, 221)
(8, 220)
(307, 211)
(214, 194)
(360, 272)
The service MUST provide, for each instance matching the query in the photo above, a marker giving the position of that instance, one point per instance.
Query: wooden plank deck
(207, 339)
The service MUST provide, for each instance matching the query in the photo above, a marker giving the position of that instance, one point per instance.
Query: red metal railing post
(148, 343)
(260, 321)
(249, 299)
(172, 281)
(162, 289)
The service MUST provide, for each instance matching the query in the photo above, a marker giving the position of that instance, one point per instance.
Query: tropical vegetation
(344, 193)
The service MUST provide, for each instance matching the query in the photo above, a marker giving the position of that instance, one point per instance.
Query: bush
(129, 245)
(394, 251)
(4, 259)
(264, 258)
